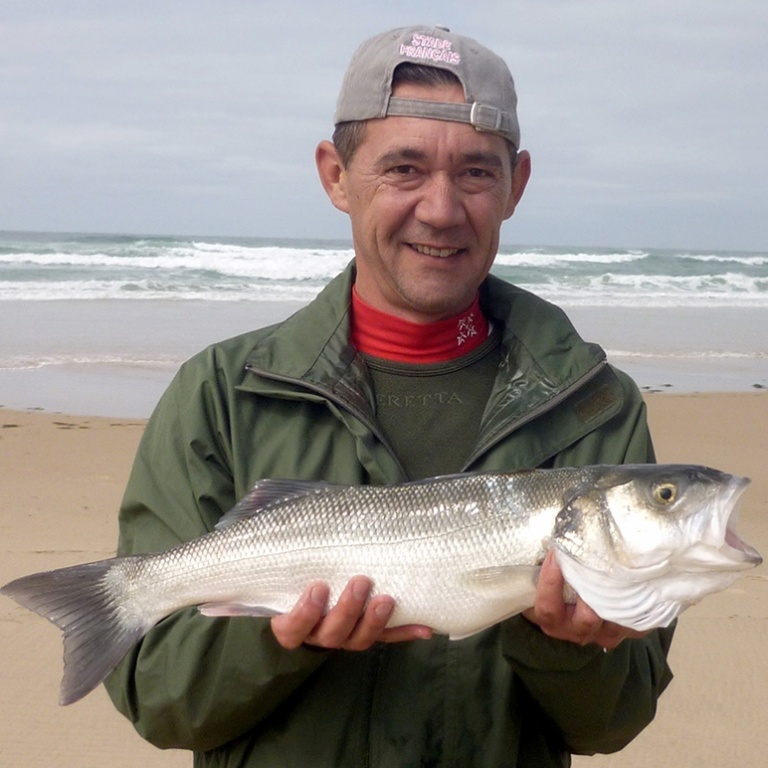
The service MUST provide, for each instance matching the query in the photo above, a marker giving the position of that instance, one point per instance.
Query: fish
(459, 553)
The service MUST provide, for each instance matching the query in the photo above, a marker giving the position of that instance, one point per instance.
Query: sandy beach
(62, 478)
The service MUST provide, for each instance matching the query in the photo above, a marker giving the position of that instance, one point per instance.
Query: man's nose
(440, 205)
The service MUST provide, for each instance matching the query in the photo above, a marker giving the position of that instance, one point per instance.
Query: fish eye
(665, 493)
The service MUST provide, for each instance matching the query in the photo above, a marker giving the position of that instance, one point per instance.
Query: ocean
(98, 323)
(36, 266)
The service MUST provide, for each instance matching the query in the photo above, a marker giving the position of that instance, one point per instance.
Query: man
(413, 362)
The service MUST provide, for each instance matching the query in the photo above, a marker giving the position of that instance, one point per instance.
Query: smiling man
(426, 198)
(414, 362)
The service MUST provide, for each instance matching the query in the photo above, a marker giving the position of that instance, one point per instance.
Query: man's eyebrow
(410, 154)
(488, 159)
(402, 155)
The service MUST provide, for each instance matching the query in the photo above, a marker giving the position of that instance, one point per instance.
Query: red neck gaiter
(385, 336)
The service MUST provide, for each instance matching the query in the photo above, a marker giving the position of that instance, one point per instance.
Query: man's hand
(353, 624)
(577, 622)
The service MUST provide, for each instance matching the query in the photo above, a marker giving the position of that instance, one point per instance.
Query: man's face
(426, 199)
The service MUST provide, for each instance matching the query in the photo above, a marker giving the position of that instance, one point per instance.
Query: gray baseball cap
(491, 105)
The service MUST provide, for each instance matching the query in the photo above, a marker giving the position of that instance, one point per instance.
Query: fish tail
(81, 600)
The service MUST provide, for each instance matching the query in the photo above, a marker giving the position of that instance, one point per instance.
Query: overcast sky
(647, 120)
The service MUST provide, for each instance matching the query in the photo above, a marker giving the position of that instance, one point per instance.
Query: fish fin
(81, 602)
(475, 630)
(465, 635)
(237, 609)
(501, 581)
(270, 493)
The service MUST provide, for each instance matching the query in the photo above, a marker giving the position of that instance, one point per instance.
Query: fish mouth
(734, 543)
(734, 553)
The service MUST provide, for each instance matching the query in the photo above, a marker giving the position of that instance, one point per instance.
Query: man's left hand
(574, 622)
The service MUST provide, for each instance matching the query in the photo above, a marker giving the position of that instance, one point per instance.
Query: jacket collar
(311, 350)
(544, 357)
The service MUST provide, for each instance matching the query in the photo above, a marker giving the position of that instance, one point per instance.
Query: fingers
(577, 622)
(349, 624)
(549, 610)
(291, 629)
(354, 622)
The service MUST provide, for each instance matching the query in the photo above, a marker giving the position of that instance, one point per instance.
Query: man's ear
(332, 174)
(520, 177)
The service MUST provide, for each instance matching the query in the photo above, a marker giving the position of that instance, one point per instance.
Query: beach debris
(459, 553)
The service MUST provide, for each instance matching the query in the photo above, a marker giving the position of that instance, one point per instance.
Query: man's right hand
(354, 623)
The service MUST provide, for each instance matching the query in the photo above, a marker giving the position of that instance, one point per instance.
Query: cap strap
(482, 117)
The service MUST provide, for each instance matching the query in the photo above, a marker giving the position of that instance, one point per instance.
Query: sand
(62, 478)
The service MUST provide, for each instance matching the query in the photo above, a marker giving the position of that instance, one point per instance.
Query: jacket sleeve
(194, 682)
(598, 701)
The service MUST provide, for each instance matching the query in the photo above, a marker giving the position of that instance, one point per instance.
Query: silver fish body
(458, 553)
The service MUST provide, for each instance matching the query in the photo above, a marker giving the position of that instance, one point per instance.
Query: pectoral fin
(235, 609)
(502, 582)
(503, 591)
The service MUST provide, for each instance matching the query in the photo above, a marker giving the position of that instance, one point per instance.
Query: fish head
(648, 515)
(669, 530)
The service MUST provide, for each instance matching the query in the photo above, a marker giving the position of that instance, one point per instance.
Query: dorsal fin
(270, 493)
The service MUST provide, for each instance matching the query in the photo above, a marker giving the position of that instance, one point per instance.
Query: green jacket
(294, 401)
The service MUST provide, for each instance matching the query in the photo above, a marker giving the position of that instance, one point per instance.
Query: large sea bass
(458, 553)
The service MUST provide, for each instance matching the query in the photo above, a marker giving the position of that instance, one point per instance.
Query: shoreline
(131, 390)
(116, 357)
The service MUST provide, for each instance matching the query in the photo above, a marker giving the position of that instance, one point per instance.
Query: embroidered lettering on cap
(427, 41)
(432, 48)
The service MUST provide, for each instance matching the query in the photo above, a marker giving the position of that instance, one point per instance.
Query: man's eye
(478, 173)
(403, 170)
